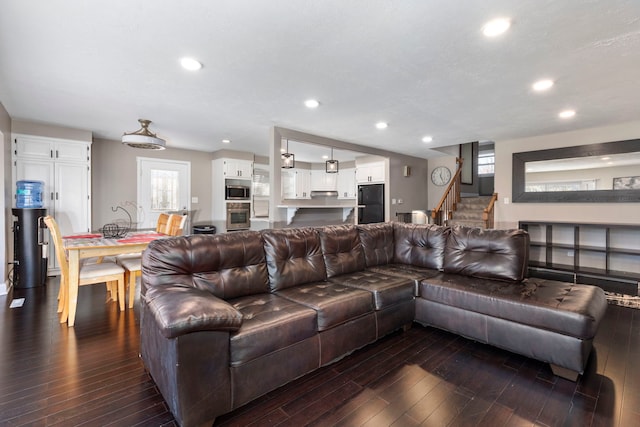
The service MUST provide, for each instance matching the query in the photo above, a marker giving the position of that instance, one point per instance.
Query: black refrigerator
(370, 203)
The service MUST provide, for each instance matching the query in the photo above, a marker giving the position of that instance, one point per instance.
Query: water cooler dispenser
(30, 252)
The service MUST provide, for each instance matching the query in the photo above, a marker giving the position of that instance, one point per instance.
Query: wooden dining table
(84, 246)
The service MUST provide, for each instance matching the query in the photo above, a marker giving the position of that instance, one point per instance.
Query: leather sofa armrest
(179, 310)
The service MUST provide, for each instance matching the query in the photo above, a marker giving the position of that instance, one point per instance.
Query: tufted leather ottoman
(552, 320)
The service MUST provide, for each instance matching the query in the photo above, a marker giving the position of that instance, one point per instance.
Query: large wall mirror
(597, 173)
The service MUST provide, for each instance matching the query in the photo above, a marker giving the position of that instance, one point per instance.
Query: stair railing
(487, 213)
(450, 198)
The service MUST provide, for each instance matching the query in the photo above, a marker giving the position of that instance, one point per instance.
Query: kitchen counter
(292, 209)
(318, 206)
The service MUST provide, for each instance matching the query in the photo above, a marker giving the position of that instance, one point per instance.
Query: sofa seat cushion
(335, 304)
(387, 290)
(269, 323)
(417, 274)
(566, 308)
(405, 270)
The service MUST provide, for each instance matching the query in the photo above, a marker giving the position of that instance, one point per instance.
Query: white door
(71, 197)
(163, 186)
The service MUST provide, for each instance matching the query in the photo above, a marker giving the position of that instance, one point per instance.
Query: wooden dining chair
(175, 225)
(161, 225)
(105, 272)
(132, 270)
(132, 263)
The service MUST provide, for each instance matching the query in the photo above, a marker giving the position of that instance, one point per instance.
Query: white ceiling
(423, 66)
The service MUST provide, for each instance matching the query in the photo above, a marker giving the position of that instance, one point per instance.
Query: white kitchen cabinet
(323, 181)
(64, 168)
(28, 147)
(236, 168)
(370, 172)
(347, 183)
(296, 184)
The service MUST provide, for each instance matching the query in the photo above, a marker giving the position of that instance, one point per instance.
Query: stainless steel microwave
(237, 192)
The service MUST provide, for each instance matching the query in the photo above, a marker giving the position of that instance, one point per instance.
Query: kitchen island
(319, 213)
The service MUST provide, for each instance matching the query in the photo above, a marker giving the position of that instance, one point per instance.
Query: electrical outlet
(570, 253)
(393, 201)
(194, 200)
(400, 201)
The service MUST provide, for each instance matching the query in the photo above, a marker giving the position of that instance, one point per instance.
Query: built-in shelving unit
(606, 255)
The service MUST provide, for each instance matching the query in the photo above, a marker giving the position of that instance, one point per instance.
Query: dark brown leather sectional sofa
(227, 318)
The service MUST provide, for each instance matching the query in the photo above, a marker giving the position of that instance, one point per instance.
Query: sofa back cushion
(490, 254)
(227, 265)
(294, 257)
(341, 249)
(377, 243)
(421, 245)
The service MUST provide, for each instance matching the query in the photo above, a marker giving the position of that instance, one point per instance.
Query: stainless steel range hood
(315, 194)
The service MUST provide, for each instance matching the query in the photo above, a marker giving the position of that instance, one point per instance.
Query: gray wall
(50, 131)
(412, 189)
(114, 180)
(5, 214)
(508, 214)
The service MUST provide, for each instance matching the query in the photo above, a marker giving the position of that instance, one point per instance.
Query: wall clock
(440, 175)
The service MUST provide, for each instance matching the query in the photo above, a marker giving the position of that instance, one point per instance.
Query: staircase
(469, 211)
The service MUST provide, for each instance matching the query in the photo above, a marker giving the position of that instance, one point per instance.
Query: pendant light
(332, 165)
(143, 138)
(288, 159)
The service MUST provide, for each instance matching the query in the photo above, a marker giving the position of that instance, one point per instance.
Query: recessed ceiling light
(311, 103)
(605, 158)
(427, 139)
(542, 85)
(226, 141)
(382, 125)
(283, 150)
(325, 157)
(190, 64)
(566, 114)
(496, 27)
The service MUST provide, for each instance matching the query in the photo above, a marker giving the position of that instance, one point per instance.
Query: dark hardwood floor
(91, 375)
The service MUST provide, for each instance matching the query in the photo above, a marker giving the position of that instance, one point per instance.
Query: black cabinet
(30, 269)
(606, 255)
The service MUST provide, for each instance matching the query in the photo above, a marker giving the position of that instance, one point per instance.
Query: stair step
(468, 214)
(469, 211)
(474, 202)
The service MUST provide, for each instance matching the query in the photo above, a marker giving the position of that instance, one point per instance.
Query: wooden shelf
(607, 255)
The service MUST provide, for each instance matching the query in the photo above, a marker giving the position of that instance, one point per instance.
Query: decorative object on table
(114, 230)
(288, 159)
(144, 138)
